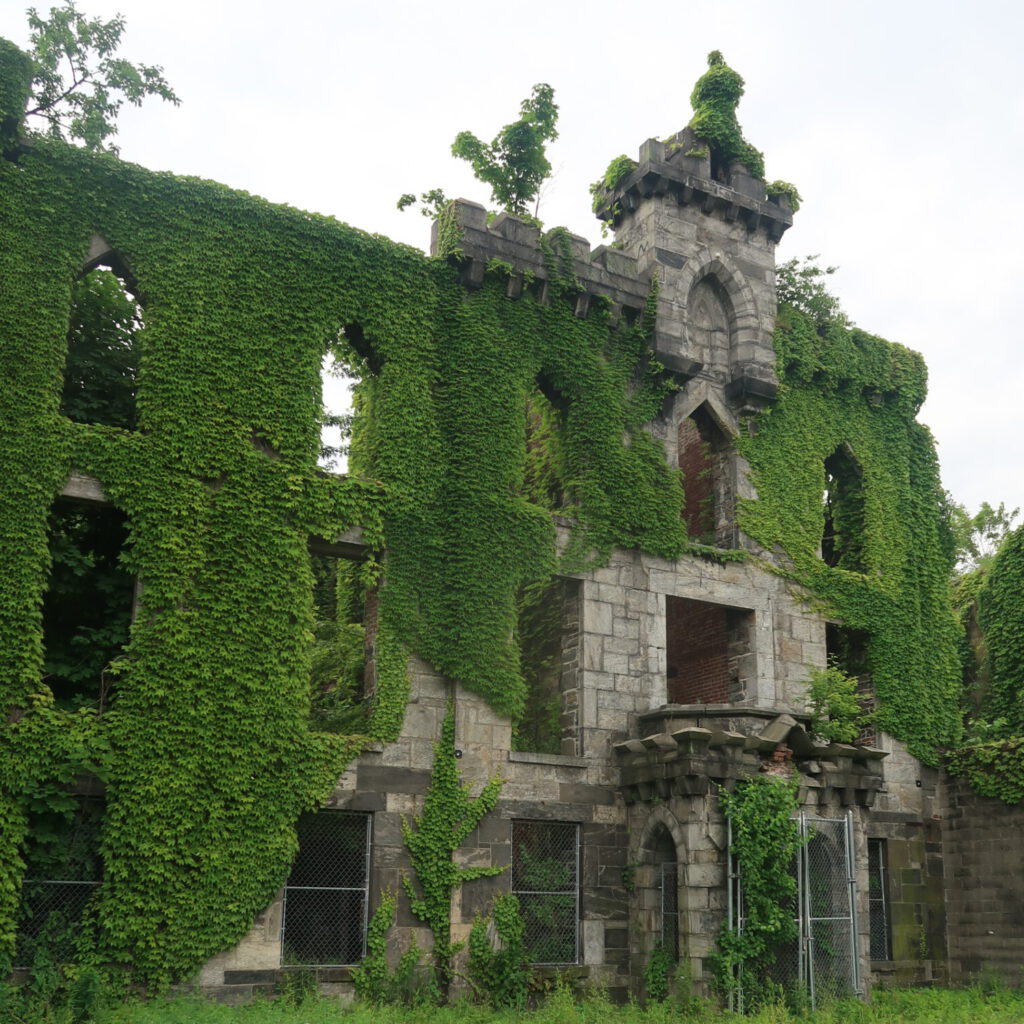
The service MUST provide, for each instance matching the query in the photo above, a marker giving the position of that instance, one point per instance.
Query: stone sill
(556, 760)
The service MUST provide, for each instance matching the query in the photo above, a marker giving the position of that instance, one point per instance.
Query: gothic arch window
(704, 460)
(102, 361)
(842, 538)
(708, 309)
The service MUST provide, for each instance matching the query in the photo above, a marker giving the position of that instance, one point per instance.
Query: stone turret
(692, 212)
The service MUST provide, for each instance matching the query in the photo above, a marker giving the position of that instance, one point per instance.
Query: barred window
(545, 878)
(323, 922)
(878, 903)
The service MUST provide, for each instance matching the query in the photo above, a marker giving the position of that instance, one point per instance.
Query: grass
(992, 1005)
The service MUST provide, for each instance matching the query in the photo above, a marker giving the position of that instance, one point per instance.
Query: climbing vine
(449, 815)
(846, 405)
(765, 838)
(714, 99)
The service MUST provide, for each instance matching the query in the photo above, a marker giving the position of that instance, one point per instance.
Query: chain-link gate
(62, 874)
(545, 878)
(323, 920)
(823, 960)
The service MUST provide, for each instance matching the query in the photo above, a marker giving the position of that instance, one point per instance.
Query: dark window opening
(326, 895)
(847, 649)
(63, 870)
(842, 539)
(549, 637)
(703, 458)
(102, 364)
(666, 880)
(88, 604)
(545, 878)
(339, 662)
(878, 900)
(709, 651)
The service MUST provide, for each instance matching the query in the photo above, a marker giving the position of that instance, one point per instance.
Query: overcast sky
(901, 123)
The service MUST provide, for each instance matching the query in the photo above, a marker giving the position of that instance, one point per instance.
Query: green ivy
(714, 100)
(765, 838)
(449, 815)
(846, 391)
(501, 975)
(1001, 618)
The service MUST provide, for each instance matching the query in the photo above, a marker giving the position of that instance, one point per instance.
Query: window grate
(878, 907)
(323, 921)
(545, 878)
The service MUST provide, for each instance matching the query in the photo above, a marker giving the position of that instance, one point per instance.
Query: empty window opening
(62, 873)
(549, 638)
(878, 900)
(709, 652)
(348, 375)
(87, 607)
(102, 363)
(703, 458)
(842, 539)
(339, 655)
(323, 921)
(847, 649)
(545, 878)
(543, 469)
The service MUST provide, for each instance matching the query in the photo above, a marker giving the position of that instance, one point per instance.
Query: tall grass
(988, 1005)
(992, 1005)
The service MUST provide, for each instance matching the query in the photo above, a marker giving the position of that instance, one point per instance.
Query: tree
(978, 538)
(85, 104)
(514, 164)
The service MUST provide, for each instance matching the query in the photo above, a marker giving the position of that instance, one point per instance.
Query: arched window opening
(349, 366)
(88, 604)
(842, 538)
(666, 883)
(703, 458)
(102, 363)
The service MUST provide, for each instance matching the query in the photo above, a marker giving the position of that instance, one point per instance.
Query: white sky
(902, 124)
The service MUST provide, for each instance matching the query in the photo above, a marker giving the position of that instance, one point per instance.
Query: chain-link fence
(50, 920)
(62, 874)
(323, 921)
(545, 877)
(822, 961)
(878, 906)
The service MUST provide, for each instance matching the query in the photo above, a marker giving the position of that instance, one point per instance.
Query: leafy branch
(78, 85)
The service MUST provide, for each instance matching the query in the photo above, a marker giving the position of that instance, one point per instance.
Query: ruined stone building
(678, 636)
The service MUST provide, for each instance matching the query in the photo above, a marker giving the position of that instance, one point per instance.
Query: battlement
(465, 236)
(681, 168)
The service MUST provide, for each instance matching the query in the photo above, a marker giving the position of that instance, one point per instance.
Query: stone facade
(637, 773)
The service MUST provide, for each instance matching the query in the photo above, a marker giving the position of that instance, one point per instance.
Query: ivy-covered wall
(848, 391)
(205, 749)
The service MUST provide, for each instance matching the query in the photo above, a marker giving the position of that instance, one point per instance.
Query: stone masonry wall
(984, 885)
